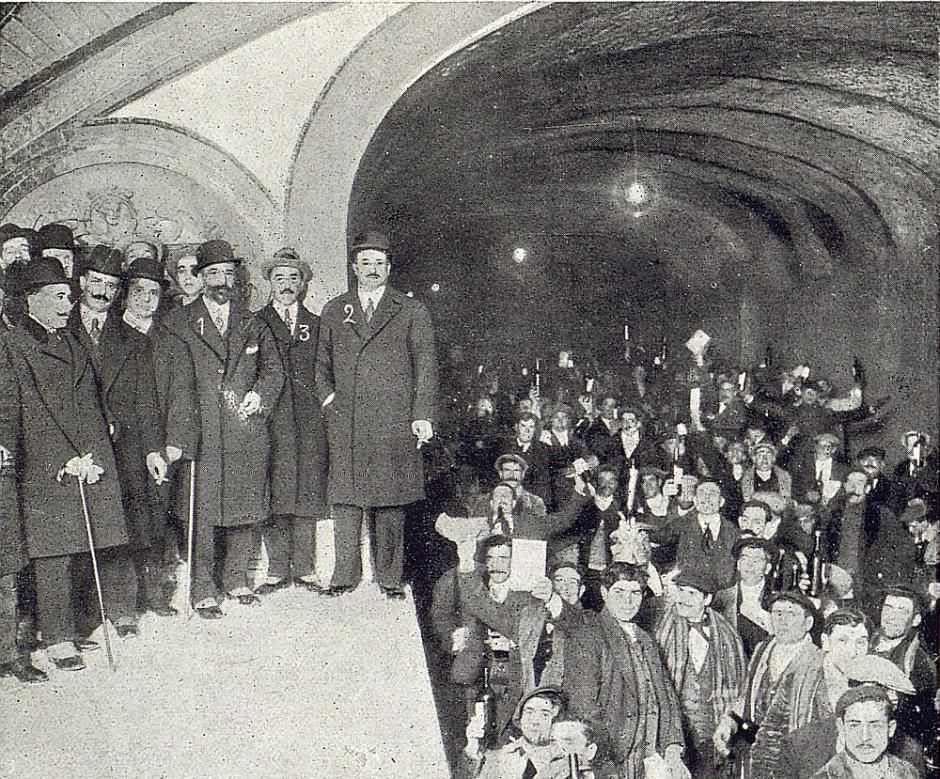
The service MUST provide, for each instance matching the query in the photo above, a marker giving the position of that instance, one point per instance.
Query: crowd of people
(727, 585)
(732, 588)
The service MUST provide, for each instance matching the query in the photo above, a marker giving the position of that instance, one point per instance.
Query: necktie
(370, 310)
(219, 323)
(95, 332)
(707, 538)
(289, 321)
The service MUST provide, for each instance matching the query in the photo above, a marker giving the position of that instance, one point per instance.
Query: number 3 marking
(348, 310)
(304, 332)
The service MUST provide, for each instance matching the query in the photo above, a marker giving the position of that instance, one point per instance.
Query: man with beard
(239, 377)
(532, 754)
(865, 720)
(616, 681)
(53, 429)
(123, 365)
(298, 476)
(705, 657)
(376, 379)
(178, 419)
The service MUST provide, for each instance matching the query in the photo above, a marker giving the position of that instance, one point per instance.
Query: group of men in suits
(133, 428)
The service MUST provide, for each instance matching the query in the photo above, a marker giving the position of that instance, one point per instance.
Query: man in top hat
(376, 378)
(123, 364)
(784, 689)
(298, 476)
(239, 378)
(52, 425)
(705, 657)
(177, 419)
(57, 241)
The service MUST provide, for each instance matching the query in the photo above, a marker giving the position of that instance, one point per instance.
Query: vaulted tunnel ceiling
(781, 142)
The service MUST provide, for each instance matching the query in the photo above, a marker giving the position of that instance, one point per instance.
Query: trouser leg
(347, 524)
(203, 565)
(276, 533)
(8, 651)
(389, 549)
(303, 532)
(118, 584)
(241, 544)
(53, 599)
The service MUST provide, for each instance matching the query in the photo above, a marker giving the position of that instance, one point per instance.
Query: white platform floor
(303, 686)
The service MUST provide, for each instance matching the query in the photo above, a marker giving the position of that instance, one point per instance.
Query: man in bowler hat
(377, 381)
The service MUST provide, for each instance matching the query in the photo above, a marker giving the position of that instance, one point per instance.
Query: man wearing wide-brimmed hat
(51, 425)
(239, 378)
(377, 382)
(299, 462)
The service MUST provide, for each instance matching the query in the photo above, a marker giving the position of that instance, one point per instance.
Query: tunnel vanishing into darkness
(789, 153)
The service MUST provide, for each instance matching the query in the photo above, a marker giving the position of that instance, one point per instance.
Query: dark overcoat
(384, 376)
(299, 447)
(233, 462)
(12, 543)
(123, 366)
(49, 413)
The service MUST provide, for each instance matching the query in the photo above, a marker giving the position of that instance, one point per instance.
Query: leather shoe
(333, 592)
(127, 630)
(23, 670)
(87, 645)
(210, 612)
(249, 600)
(394, 593)
(312, 586)
(165, 611)
(73, 663)
(267, 589)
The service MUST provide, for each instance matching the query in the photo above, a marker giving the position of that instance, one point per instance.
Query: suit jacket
(124, 369)
(49, 413)
(538, 477)
(716, 557)
(750, 484)
(599, 440)
(299, 447)
(803, 471)
(383, 375)
(234, 458)
(603, 689)
(559, 461)
(727, 602)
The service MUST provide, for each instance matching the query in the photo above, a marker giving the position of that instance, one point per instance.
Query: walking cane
(94, 567)
(189, 539)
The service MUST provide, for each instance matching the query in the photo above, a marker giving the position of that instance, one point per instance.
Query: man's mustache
(292, 290)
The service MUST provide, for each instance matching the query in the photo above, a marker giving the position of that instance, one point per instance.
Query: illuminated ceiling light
(636, 194)
(519, 254)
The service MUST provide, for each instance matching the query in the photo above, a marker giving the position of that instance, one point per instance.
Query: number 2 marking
(304, 332)
(348, 310)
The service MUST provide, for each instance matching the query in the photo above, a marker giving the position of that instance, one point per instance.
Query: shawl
(725, 655)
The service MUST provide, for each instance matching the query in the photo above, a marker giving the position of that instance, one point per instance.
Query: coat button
(221, 371)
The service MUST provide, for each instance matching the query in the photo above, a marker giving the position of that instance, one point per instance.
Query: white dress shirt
(562, 437)
(283, 312)
(698, 647)
(218, 313)
(712, 524)
(88, 316)
(140, 325)
(824, 470)
(374, 295)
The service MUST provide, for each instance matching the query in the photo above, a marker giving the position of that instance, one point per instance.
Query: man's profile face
(51, 305)
(286, 283)
(623, 599)
(99, 290)
(498, 563)
(143, 297)
(846, 643)
(220, 280)
(371, 268)
(865, 730)
(189, 282)
(525, 430)
(898, 616)
(752, 566)
(511, 472)
(535, 720)
(14, 250)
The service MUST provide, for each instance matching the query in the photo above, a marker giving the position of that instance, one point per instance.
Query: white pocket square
(251, 349)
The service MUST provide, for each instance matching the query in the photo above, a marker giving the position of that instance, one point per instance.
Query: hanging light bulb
(636, 194)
